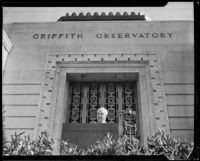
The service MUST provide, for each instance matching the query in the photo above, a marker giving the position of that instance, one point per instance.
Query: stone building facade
(59, 73)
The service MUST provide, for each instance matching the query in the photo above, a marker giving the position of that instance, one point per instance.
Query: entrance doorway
(87, 97)
(89, 92)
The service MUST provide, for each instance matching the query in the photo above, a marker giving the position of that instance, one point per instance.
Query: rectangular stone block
(21, 89)
(178, 76)
(20, 110)
(181, 123)
(20, 99)
(181, 111)
(22, 77)
(180, 99)
(179, 88)
(19, 122)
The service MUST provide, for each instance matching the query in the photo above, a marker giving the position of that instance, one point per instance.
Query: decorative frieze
(102, 16)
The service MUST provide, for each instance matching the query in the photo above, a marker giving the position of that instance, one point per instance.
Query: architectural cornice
(103, 17)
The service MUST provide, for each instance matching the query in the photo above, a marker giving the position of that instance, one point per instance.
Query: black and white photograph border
(61, 64)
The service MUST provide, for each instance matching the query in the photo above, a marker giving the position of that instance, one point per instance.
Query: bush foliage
(26, 146)
(157, 144)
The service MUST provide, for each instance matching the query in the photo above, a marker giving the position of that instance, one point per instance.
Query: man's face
(101, 116)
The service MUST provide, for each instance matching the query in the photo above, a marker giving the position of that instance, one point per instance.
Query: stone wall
(24, 70)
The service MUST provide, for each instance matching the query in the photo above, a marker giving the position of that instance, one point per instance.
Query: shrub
(107, 146)
(162, 144)
(5, 144)
(26, 146)
(67, 148)
(159, 143)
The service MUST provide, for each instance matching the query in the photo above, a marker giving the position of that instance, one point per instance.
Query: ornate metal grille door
(87, 97)
(130, 105)
(93, 102)
(111, 105)
(75, 109)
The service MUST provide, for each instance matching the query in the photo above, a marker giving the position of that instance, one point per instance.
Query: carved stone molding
(153, 74)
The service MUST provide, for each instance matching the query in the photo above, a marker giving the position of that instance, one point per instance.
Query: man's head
(102, 115)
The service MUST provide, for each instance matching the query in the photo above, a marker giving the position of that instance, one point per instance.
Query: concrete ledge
(90, 132)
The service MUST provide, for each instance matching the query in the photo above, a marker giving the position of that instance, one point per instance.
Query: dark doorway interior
(89, 92)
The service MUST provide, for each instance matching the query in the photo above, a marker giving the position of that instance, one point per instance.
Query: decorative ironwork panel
(75, 109)
(93, 102)
(130, 105)
(111, 102)
(107, 92)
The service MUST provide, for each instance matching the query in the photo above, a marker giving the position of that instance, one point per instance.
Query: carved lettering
(147, 35)
(60, 36)
(36, 36)
(170, 34)
(134, 35)
(49, 36)
(72, 35)
(127, 35)
(98, 35)
(154, 35)
(79, 36)
(120, 35)
(141, 36)
(43, 36)
(113, 36)
(162, 35)
(53, 36)
(106, 36)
